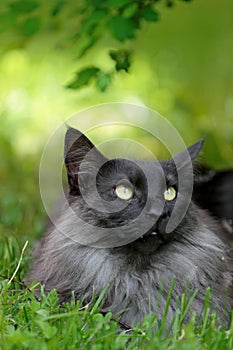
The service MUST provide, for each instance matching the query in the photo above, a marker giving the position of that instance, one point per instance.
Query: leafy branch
(87, 21)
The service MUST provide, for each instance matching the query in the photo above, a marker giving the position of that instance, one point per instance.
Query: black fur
(198, 249)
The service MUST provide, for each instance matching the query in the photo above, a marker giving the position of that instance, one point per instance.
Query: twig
(121, 324)
(21, 284)
(14, 280)
(20, 260)
(125, 325)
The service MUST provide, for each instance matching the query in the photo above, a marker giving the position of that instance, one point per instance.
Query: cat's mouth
(156, 232)
(149, 234)
(150, 241)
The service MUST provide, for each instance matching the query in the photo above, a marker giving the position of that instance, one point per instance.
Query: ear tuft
(195, 149)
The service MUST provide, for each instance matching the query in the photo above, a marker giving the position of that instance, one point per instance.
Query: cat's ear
(79, 152)
(195, 149)
(183, 158)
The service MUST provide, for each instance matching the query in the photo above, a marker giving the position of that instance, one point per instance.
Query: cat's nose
(154, 207)
(153, 212)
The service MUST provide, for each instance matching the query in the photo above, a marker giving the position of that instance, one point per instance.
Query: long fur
(138, 274)
(135, 280)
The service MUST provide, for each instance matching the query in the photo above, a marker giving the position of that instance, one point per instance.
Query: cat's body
(140, 272)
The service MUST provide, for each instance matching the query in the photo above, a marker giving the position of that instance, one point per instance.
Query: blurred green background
(182, 67)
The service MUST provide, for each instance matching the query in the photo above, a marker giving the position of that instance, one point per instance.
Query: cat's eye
(124, 192)
(170, 194)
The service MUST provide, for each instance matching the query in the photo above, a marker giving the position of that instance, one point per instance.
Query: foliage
(178, 68)
(87, 22)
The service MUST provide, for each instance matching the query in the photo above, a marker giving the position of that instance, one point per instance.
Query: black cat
(73, 256)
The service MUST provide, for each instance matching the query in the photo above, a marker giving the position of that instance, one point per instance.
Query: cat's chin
(149, 243)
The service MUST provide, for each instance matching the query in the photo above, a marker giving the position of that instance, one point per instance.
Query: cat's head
(132, 200)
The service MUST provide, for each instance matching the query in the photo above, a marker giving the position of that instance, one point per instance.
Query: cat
(139, 272)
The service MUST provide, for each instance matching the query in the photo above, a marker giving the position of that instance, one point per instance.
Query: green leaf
(84, 44)
(10, 329)
(121, 58)
(89, 23)
(150, 15)
(97, 15)
(47, 330)
(103, 80)
(121, 28)
(24, 6)
(83, 77)
(118, 3)
(30, 26)
(130, 10)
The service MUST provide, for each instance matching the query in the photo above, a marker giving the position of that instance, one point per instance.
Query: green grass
(27, 322)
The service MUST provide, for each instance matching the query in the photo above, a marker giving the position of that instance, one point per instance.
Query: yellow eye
(124, 192)
(170, 194)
